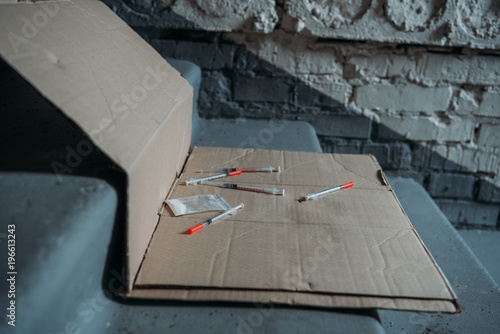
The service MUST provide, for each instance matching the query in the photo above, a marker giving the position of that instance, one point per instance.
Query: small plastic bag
(198, 203)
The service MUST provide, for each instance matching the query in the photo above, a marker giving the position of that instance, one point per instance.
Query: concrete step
(259, 134)
(486, 247)
(478, 294)
(63, 229)
(245, 133)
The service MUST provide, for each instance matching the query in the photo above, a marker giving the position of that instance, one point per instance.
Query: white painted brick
(457, 157)
(477, 160)
(401, 156)
(489, 190)
(413, 128)
(330, 85)
(320, 61)
(274, 49)
(275, 52)
(489, 162)
(429, 68)
(381, 65)
(439, 156)
(471, 159)
(453, 157)
(343, 126)
(462, 69)
(426, 128)
(443, 67)
(489, 135)
(450, 185)
(261, 89)
(466, 103)
(292, 54)
(421, 156)
(484, 70)
(490, 105)
(457, 129)
(403, 97)
(454, 152)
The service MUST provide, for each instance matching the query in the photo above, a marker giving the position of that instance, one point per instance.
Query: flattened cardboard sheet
(353, 248)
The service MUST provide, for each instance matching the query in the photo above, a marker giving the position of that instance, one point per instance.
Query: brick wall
(425, 111)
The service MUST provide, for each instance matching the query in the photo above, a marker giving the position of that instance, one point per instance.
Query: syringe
(207, 178)
(210, 221)
(327, 191)
(269, 169)
(243, 187)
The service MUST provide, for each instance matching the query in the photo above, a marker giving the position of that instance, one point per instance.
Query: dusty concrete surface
(477, 293)
(486, 247)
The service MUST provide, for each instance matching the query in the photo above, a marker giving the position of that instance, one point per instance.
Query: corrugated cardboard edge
(163, 207)
(300, 299)
(154, 174)
(151, 172)
(450, 290)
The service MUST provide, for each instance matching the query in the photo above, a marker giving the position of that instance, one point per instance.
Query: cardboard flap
(357, 242)
(115, 87)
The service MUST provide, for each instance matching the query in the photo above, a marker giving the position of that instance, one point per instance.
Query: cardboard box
(355, 248)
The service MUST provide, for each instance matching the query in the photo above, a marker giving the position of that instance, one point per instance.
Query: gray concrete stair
(478, 294)
(259, 134)
(486, 247)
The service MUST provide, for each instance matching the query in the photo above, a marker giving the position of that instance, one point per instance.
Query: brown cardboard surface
(349, 249)
(115, 87)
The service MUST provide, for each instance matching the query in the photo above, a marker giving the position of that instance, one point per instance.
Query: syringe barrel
(218, 170)
(212, 177)
(273, 191)
(269, 169)
(225, 213)
(327, 191)
(211, 220)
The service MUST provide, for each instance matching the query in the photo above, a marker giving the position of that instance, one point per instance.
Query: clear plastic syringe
(207, 178)
(327, 191)
(211, 220)
(269, 169)
(243, 187)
